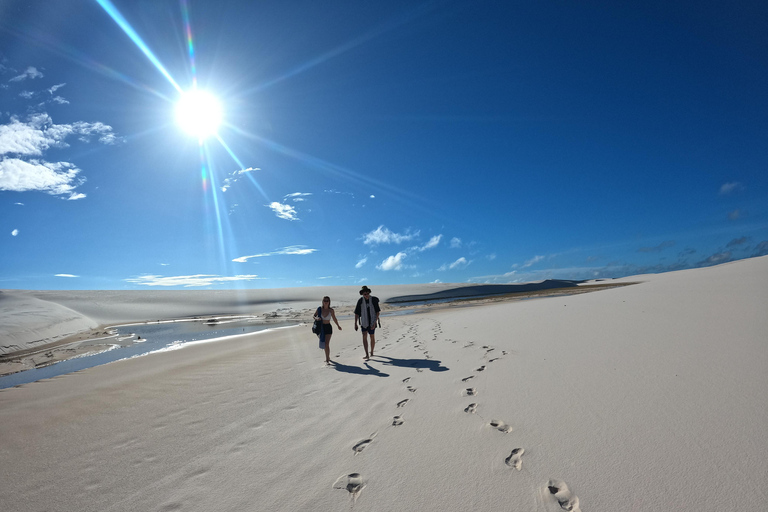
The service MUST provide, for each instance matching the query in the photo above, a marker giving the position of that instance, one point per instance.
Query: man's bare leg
(365, 344)
(373, 343)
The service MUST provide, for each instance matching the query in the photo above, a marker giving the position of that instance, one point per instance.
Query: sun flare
(199, 113)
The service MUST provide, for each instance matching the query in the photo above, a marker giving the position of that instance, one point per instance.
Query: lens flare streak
(131, 33)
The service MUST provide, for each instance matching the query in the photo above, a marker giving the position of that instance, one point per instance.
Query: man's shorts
(369, 330)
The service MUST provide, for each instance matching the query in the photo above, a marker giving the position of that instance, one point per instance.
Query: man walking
(367, 313)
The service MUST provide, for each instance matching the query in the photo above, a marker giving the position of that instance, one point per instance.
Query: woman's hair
(329, 300)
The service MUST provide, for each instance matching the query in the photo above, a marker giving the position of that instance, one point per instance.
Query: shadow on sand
(368, 370)
(429, 364)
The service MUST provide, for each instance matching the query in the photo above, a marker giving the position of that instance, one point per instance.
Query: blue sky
(379, 142)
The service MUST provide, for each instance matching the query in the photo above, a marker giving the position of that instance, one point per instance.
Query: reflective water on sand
(138, 340)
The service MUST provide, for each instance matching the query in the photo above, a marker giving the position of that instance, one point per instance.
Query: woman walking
(326, 313)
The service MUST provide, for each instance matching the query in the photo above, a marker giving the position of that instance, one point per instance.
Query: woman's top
(324, 317)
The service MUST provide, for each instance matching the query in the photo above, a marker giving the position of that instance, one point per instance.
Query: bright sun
(199, 113)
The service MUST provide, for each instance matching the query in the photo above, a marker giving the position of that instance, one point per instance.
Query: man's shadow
(369, 370)
(429, 364)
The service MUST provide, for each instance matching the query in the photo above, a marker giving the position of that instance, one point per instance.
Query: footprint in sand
(353, 482)
(471, 408)
(402, 403)
(471, 391)
(515, 459)
(411, 389)
(406, 379)
(465, 379)
(565, 498)
(501, 426)
(397, 421)
(494, 359)
(361, 445)
(480, 369)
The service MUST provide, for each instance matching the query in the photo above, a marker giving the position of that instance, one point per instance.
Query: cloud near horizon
(290, 250)
(188, 281)
(658, 248)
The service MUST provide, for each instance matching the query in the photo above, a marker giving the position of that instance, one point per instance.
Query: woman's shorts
(327, 328)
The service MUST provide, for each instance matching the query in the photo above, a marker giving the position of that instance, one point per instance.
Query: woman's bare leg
(328, 348)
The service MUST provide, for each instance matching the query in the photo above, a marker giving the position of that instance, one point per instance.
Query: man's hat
(365, 289)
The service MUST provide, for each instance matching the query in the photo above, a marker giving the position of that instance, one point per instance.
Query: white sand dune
(646, 397)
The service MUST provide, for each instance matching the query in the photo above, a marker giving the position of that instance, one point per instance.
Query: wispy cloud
(291, 250)
(298, 197)
(232, 178)
(729, 188)
(362, 262)
(532, 261)
(738, 241)
(30, 73)
(23, 142)
(459, 263)
(188, 281)
(382, 235)
(455, 243)
(393, 262)
(658, 248)
(433, 242)
(65, 275)
(283, 211)
(716, 259)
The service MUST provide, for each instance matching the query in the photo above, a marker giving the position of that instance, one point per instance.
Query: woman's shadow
(368, 370)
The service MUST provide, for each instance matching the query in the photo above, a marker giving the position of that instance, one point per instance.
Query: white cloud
(455, 243)
(362, 262)
(60, 100)
(297, 197)
(228, 182)
(30, 73)
(188, 281)
(459, 263)
(65, 275)
(433, 242)
(382, 235)
(283, 211)
(32, 138)
(58, 178)
(393, 262)
(532, 261)
(300, 250)
(15, 232)
(56, 88)
(27, 95)
(728, 188)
